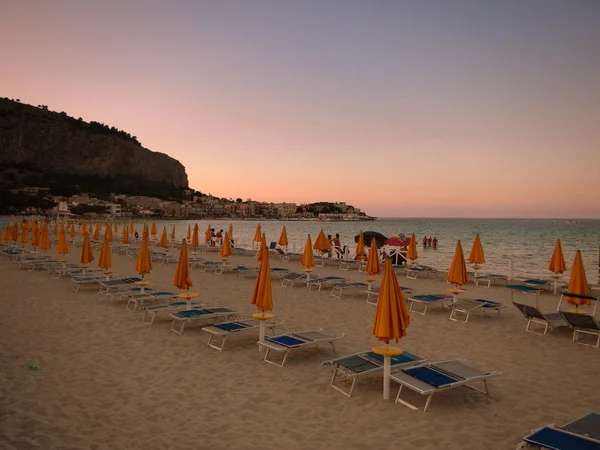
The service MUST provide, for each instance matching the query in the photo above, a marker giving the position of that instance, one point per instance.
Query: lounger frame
(465, 306)
(414, 300)
(534, 316)
(218, 336)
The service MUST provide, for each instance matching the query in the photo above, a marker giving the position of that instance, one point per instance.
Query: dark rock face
(38, 146)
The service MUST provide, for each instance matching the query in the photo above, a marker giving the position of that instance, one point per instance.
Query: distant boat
(572, 222)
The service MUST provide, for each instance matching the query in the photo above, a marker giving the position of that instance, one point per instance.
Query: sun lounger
(537, 283)
(226, 329)
(414, 271)
(116, 285)
(466, 306)
(591, 298)
(426, 300)
(490, 278)
(187, 317)
(373, 294)
(324, 281)
(348, 368)
(534, 315)
(581, 434)
(524, 289)
(582, 324)
(290, 278)
(88, 278)
(138, 301)
(206, 266)
(346, 264)
(285, 343)
(338, 289)
(431, 378)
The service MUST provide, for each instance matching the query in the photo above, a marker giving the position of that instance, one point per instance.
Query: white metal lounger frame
(216, 333)
(427, 303)
(137, 301)
(338, 289)
(413, 272)
(489, 279)
(272, 346)
(579, 329)
(154, 310)
(423, 388)
(320, 282)
(466, 306)
(290, 278)
(546, 322)
(183, 321)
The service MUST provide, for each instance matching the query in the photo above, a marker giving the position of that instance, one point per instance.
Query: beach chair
(166, 308)
(290, 278)
(324, 281)
(373, 294)
(426, 300)
(285, 254)
(346, 264)
(582, 324)
(283, 344)
(465, 306)
(432, 378)
(226, 329)
(89, 278)
(279, 271)
(580, 296)
(414, 272)
(581, 434)
(534, 315)
(348, 369)
(339, 288)
(490, 278)
(117, 285)
(138, 301)
(206, 266)
(538, 283)
(524, 289)
(181, 319)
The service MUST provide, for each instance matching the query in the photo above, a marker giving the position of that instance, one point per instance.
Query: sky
(403, 108)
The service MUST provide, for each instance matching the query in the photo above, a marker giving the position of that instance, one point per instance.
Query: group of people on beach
(430, 242)
(216, 238)
(336, 246)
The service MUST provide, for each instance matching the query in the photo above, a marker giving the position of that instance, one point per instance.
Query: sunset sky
(447, 108)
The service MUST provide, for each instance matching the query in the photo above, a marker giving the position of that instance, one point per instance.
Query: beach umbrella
(557, 264)
(308, 259)
(230, 232)
(457, 274)
(97, 232)
(373, 267)
(258, 234)
(195, 243)
(188, 236)
(90, 228)
(62, 248)
(108, 230)
(15, 232)
(283, 239)
(391, 320)
(35, 234)
(262, 247)
(55, 229)
(173, 232)
(72, 232)
(262, 296)
(115, 227)
(207, 235)
(578, 283)
(153, 229)
(24, 234)
(143, 265)
(164, 241)
(87, 254)
(226, 247)
(125, 235)
(411, 253)
(44, 242)
(82, 228)
(181, 280)
(476, 256)
(105, 259)
(322, 243)
(7, 232)
(131, 228)
(360, 246)
(369, 235)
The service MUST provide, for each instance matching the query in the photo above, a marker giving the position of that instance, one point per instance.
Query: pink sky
(483, 113)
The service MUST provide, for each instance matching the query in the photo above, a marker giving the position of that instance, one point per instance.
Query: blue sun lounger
(189, 316)
(582, 323)
(290, 278)
(490, 278)
(166, 308)
(226, 329)
(431, 378)
(373, 294)
(338, 289)
(112, 285)
(348, 368)
(414, 271)
(137, 301)
(426, 300)
(465, 306)
(581, 434)
(324, 281)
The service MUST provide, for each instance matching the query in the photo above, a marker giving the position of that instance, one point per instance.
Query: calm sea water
(528, 242)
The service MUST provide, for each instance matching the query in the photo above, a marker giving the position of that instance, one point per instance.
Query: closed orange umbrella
(262, 296)
(457, 274)
(131, 228)
(230, 232)
(322, 243)
(108, 230)
(105, 259)
(412, 249)
(308, 259)
(188, 236)
(476, 256)
(173, 232)
(143, 265)
(72, 232)
(153, 229)
(7, 232)
(226, 247)
(87, 254)
(44, 243)
(391, 320)
(24, 234)
(578, 283)
(62, 247)
(258, 234)
(182, 273)
(35, 234)
(90, 228)
(164, 241)
(207, 235)
(360, 247)
(15, 232)
(115, 227)
(283, 239)
(82, 228)
(97, 232)
(262, 247)
(125, 235)
(195, 243)
(373, 265)
(557, 263)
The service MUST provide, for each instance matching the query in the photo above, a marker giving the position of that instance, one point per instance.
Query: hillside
(49, 149)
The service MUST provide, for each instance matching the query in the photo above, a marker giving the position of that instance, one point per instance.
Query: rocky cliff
(44, 148)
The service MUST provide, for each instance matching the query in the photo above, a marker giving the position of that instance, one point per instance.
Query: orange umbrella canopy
(283, 239)
(24, 234)
(226, 247)
(108, 230)
(173, 232)
(131, 229)
(188, 236)
(7, 232)
(557, 263)
(458, 269)
(322, 243)
(262, 296)
(144, 263)
(373, 266)
(195, 243)
(258, 234)
(182, 273)
(72, 232)
(97, 232)
(90, 228)
(62, 247)
(125, 235)
(15, 232)
(207, 234)
(411, 253)
(262, 247)
(360, 246)
(87, 254)
(392, 316)
(153, 229)
(105, 259)
(308, 259)
(35, 234)
(115, 228)
(578, 282)
(476, 256)
(164, 241)
(44, 238)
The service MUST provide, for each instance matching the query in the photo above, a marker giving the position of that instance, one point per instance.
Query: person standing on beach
(337, 245)
(219, 237)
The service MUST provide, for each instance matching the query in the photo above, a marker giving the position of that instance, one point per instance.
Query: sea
(526, 244)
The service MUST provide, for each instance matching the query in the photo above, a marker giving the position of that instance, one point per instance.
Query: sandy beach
(106, 380)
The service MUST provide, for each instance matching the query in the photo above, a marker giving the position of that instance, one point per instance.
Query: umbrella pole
(387, 368)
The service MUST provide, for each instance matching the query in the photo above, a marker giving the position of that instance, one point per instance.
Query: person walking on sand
(337, 245)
